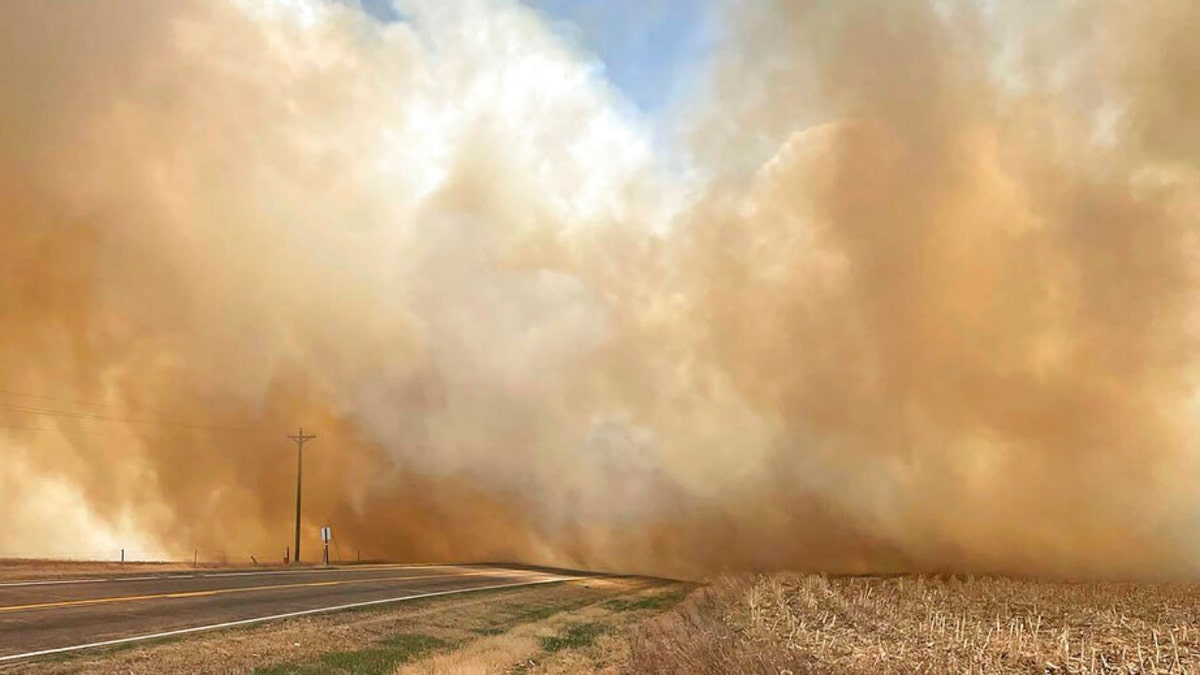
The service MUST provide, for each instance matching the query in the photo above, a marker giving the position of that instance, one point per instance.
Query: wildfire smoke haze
(904, 285)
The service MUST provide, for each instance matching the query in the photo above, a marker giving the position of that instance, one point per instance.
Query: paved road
(41, 616)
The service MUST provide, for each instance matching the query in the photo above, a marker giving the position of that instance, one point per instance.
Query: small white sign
(326, 534)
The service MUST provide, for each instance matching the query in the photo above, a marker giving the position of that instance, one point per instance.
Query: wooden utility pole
(300, 439)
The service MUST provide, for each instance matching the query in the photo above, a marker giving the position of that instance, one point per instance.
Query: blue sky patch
(648, 47)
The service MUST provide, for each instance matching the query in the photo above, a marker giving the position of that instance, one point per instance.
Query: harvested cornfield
(914, 624)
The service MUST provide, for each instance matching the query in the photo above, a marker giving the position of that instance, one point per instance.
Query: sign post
(326, 536)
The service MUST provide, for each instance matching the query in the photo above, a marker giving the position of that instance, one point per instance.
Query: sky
(647, 48)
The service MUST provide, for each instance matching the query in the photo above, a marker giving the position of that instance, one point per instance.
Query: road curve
(51, 616)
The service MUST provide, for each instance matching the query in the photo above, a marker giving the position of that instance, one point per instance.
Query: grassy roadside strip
(378, 659)
(588, 638)
(513, 637)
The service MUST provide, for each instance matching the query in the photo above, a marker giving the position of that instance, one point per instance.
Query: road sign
(326, 534)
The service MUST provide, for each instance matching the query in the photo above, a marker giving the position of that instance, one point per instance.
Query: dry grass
(815, 624)
(583, 639)
(523, 648)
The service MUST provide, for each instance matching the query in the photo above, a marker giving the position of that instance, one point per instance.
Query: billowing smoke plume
(913, 286)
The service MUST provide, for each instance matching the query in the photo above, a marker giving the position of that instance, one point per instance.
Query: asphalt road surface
(49, 616)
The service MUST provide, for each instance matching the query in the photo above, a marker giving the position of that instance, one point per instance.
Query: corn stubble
(817, 624)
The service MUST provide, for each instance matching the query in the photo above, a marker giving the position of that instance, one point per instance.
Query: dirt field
(813, 624)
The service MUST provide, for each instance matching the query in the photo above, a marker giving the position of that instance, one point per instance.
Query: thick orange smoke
(915, 289)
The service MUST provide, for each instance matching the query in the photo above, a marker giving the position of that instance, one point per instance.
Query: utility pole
(300, 439)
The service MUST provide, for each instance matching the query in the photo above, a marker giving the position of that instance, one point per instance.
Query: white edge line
(276, 617)
(56, 582)
(217, 574)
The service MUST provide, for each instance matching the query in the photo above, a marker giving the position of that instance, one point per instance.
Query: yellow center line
(225, 591)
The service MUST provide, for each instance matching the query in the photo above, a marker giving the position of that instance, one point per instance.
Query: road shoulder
(521, 627)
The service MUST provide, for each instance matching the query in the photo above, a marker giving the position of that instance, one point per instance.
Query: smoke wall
(904, 285)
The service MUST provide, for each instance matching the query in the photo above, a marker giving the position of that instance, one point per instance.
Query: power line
(26, 394)
(90, 416)
(30, 408)
(165, 435)
(149, 434)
